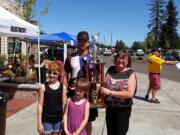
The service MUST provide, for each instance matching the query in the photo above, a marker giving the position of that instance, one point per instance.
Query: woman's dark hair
(123, 53)
(83, 35)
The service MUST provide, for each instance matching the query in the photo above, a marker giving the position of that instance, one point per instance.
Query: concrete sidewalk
(146, 119)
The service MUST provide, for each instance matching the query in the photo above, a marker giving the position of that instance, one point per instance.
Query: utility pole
(99, 38)
(111, 37)
(104, 40)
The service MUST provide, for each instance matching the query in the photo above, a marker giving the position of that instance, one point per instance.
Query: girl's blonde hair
(83, 84)
(54, 66)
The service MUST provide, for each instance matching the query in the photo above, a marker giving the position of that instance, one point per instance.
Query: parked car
(131, 52)
(174, 55)
(113, 50)
(140, 52)
(107, 53)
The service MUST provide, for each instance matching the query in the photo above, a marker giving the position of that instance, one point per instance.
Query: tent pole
(65, 51)
(30, 47)
(39, 67)
(15, 44)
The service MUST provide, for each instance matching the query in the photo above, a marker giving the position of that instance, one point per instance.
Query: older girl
(52, 97)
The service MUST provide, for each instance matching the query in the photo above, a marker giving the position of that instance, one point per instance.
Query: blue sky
(127, 20)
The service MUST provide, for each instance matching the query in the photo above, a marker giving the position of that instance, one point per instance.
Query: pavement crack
(172, 99)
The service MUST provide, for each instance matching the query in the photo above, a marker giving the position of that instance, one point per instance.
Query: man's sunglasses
(54, 73)
(82, 40)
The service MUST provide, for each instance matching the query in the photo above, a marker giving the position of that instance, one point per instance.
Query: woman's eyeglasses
(121, 58)
(53, 73)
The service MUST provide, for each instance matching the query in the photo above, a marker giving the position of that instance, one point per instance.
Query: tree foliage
(169, 29)
(163, 24)
(157, 17)
(28, 8)
(178, 43)
(119, 45)
(137, 45)
(101, 45)
(2, 60)
(149, 41)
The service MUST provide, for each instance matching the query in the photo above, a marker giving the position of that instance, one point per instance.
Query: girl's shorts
(51, 127)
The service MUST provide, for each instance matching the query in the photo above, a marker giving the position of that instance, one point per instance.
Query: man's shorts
(51, 127)
(154, 81)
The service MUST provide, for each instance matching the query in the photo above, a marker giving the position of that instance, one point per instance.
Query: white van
(140, 52)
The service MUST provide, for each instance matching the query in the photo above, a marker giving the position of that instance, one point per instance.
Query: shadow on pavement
(141, 98)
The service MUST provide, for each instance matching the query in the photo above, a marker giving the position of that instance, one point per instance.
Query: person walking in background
(75, 69)
(31, 61)
(155, 63)
(44, 67)
(77, 110)
(119, 89)
(51, 101)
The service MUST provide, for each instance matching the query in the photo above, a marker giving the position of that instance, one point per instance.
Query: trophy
(97, 78)
(95, 98)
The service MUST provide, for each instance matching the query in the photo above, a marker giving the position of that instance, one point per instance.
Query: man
(75, 69)
(155, 63)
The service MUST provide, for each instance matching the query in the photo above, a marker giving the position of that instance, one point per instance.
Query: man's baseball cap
(83, 35)
(156, 50)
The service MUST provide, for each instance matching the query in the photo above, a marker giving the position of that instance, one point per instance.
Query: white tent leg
(39, 67)
(14, 54)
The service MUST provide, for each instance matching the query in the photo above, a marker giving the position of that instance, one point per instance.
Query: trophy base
(98, 105)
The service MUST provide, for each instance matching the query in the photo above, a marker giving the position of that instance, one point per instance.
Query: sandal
(155, 101)
(146, 97)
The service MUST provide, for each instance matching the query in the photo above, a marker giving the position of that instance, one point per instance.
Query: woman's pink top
(76, 116)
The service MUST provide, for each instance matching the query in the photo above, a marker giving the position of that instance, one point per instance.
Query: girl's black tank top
(52, 105)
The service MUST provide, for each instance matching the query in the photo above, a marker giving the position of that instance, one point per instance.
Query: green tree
(157, 17)
(163, 38)
(178, 43)
(171, 24)
(149, 42)
(101, 45)
(137, 45)
(119, 45)
(29, 8)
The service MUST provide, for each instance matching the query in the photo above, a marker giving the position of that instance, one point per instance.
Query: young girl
(77, 110)
(52, 97)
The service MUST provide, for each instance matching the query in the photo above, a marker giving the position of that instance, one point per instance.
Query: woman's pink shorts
(154, 81)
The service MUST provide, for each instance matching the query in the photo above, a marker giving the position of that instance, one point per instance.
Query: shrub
(2, 60)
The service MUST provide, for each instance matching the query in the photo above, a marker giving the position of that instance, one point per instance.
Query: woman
(119, 90)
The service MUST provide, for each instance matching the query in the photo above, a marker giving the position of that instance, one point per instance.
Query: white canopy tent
(13, 26)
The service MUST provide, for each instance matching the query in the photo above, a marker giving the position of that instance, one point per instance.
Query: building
(12, 47)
